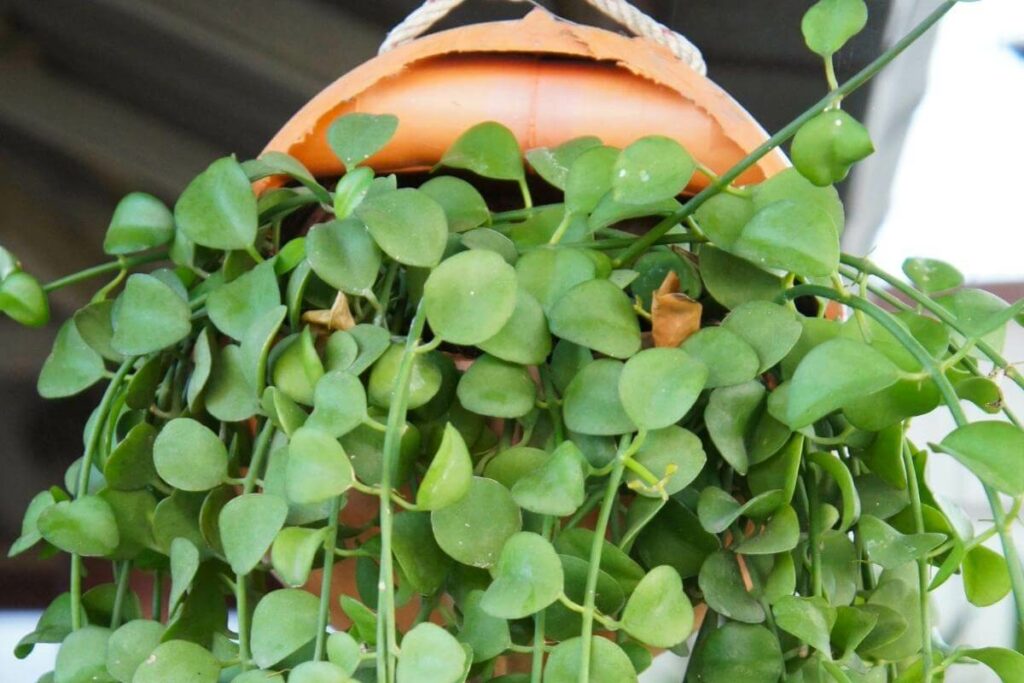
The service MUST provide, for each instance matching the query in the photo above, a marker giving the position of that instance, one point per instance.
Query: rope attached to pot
(432, 11)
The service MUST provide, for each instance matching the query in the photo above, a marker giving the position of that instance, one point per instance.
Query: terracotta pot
(545, 79)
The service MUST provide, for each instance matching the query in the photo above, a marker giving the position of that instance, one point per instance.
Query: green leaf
(140, 222)
(524, 339)
(318, 468)
(512, 464)
(733, 281)
(659, 386)
(253, 352)
(739, 652)
(29, 525)
(487, 636)
(527, 578)
(730, 415)
(728, 358)
(650, 170)
(717, 509)
(229, 395)
(889, 548)
(495, 388)
(557, 486)
(723, 216)
(991, 450)
(1007, 664)
(82, 656)
(589, 179)
(470, 297)
(421, 560)
(620, 566)
(770, 329)
(407, 225)
(429, 653)
(553, 163)
(828, 24)
(598, 315)
(488, 149)
(833, 374)
(826, 146)
(350, 192)
(248, 525)
(284, 621)
(424, 380)
(297, 368)
(608, 663)
(189, 456)
(932, 275)
(318, 672)
(463, 205)
(722, 584)
(236, 306)
(292, 554)
(95, 325)
(344, 255)
(450, 474)
(658, 612)
(561, 623)
(474, 529)
(24, 300)
(343, 651)
(791, 236)
(675, 537)
(979, 313)
(372, 341)
(356, 137)
(279, 163)
(809, 619)
(674, 455)
(84, 526)
(72, 365)
(489, 239)
(130, 645)
(148, 316)
(986, 576)
(218, 208)
(184, 560)
(339, 404)
(178, 660)
(592, 404)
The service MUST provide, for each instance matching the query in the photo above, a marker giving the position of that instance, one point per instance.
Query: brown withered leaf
(674, 316)
(339, 317)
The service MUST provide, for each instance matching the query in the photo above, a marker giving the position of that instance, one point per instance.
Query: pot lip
(541, 34)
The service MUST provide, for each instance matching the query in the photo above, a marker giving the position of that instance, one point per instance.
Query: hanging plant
(556, 439)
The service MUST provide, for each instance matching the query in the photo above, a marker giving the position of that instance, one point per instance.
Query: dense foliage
(564, 435)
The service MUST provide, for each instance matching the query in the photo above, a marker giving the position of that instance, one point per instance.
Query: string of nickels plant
(923, 578)
(952, 402)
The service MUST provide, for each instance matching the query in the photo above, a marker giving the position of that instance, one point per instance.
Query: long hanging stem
(719, 184)
(922, 562)
(893, 327)
(124, 570)
(83, 482)
(537, 664)
(323, 616)
(102, 269)
(387, 636)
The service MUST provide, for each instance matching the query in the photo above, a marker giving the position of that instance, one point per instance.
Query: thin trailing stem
(537, 663)
(387, 637)
(862, 77)
(922, 562)
(103, 269)
(124, 570)
(323, 615)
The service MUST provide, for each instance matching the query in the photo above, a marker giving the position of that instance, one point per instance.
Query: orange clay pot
(548, 81)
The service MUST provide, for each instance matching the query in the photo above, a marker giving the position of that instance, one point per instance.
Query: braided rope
(432, 11)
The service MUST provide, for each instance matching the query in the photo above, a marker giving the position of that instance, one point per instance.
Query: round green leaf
(229, 395)
(991, 450)
(770, 329)
(297, 368)
(407, 225)
(356, 137)
(598, 315)
(733, 281)
(344, 255)
(234, 307)
(424, 380)
(561, 623)
(722, 584)
(248, 525)
(1007, 664)
(23, 299)
(218, 208)
(292, 554)
(524, 339)
(986, 576)
(184, 560)
(343, 651)
(650, 170)
(463, 205)
(487, 636)
(488, 149)
(350, 191)
(470, 297)
(527, 578)
(424, 565)
(130, 645)
(589, 179)
(179, 661)
(82, 656)
(474, 529)
(890, 549)
(723, 216)
(372, 341)
(674, 455)
(283, 621)
(149, 316)
(339, 404)
(730, 416)
(608, 663)
(739, 652)
(828, 24)
(72, 365)
(189, 456)
(318, 468)
(450, 474)
(557, 486)
(512, 464)
(29, 524)
(780, 534)
(488, 239)
(932, 275)
(729, 359)
(95, 325)
(791, 236)
(140, 222)
(826, 146)
(658, 612)
(429, 653)
(254, 351)
(495, 388)
(85, 526)
(659, 386)
(552, 163)
(548, 273)
(592, 404)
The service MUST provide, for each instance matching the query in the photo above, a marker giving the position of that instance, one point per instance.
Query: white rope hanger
(432, 11)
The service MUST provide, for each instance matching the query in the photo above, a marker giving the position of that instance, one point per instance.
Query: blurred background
(101, 97)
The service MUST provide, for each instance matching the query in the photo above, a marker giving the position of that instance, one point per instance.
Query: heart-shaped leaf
(556, 487)
(598, 315)
(674, 455)
(284, 621)
(450, 474)
(234, 307)
(24, 300)
(184, 560)
(608, 663)
(524, 339)
(407, 225)
(339, 404)
(828, 24)
(733, 281)
(790, 236)
(218, 208)
(82, 655)
(189, 456)
(318, 672)
(553, 163)
(889, 548)
(248, 525)
(178, 660)
(292, 553)
(527, 578)
(780, 534)
(344, 255)
(589, 179)
(826, 146)
(297, 368)
(592, 404)
(488, 149)
(229, 395)
(424, 379)
(730, 416)
(650, 170)
(343, 651)
(986, 576)
(130, 645)
(658, 612)
(463, 205)
(717, 509)
(659, 386)
(739, 652)
(932, 275)
(729, 359)
(991, 450)
(318, 468)
(1007, 664)
(421, 560)
(487, 636)
(429, 653)
(140, 222)
(356, 137)
(470, 297)
(548, 273)
(71, 367)
(30, 534)
(129, 466)
(495, 388)
(84, 526)
(770, 329)
(722, 584)
(809, 619)
(149, 316)
(474, 529)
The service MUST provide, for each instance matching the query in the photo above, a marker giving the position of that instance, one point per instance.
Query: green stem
(387, 637)
(124, 570)
(811, 485)
(103, 269)
(922, 562)
(537, 663)
(890, 325)
(158, 595)
(862, 77)
(524, 188)
(323, 616)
